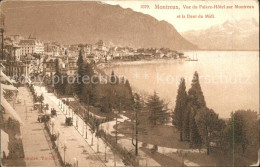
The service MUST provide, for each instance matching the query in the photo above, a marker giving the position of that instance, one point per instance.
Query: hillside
(87, 22)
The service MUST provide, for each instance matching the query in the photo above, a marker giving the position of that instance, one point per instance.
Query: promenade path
(80, 127)
(37, 149)
(78, 149)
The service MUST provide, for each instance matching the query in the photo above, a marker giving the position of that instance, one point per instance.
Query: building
(86, 49)
(73, 50)
(100, 45)
(49, 66)
(14, 52)
(69, 66)
(16, 69)
(30, 46)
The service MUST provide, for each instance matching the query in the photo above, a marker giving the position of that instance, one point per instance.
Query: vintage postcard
(129, 83)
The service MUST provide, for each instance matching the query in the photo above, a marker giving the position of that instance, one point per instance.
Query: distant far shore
(111, 64)
(225, 50)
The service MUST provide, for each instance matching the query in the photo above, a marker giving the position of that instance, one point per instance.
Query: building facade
(16, 69)
(30, 46)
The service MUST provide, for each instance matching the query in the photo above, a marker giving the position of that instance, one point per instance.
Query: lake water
(229, 79)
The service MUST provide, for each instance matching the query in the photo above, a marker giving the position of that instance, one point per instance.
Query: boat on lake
(192, 59)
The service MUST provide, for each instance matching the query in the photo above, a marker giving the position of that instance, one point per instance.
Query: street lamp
(52, 124)
(116, 125)
(86, 122)
(77, 121)
(106, 152)
(64, 149)
(58, 135)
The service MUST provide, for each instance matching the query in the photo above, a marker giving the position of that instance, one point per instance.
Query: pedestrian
(38, 119)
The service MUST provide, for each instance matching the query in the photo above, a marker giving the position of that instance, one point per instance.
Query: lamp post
(52, 125)
(116, 119)
(83, 123)
(106, 152)
(92, 132)
(58, 136)
(77, 118)
(77, 122)
(64, 149)
(41, 100)
(66, 109)
(86, 119)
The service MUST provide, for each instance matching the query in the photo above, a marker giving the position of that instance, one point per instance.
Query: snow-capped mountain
(231, 35)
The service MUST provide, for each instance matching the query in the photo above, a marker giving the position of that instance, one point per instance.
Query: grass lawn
(161, 135)
(162, 159)
(95, 110)
(218, 158)
(168, 136)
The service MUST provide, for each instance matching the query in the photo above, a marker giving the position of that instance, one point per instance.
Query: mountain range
(231, 35)
(88, 22)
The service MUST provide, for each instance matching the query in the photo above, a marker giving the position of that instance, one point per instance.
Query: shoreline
(112, 64)
(143, 94)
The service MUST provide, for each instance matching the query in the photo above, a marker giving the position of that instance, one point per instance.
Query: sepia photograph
(142, 83)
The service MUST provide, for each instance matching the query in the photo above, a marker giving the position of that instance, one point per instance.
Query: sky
(186, 24)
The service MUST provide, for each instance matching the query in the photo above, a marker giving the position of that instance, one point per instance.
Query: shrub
(144, 144)
(154, 149)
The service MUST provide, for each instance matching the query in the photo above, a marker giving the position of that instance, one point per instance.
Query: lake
(229, 79)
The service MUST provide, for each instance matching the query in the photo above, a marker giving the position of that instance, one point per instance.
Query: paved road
(112, 160)
(78, 150)
(37, 149)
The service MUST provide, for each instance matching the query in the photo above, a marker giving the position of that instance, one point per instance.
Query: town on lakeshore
(68, 105)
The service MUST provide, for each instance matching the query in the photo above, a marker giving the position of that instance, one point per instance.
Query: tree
(137, 107)
(157, 110)
(180, 108)
(88, 88)
(195, 138)
(41, 99)
(195, 101)
(186, 126)
(250, 125)
(113, 78)
(129, 92)
(124, 94)
(208, 123)
(78, 85)
(242, 129)
(106, 106)
(63, 83)
(195, 93)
